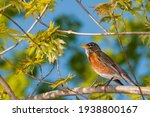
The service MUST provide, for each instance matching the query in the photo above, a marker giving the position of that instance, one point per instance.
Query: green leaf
(8, 33)
(61, 81)
(146, 81)
(35, 7)
(105, 18)
(102, 9)
(17, 4)
(145, 39)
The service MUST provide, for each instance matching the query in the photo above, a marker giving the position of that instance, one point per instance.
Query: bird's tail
(128, 79)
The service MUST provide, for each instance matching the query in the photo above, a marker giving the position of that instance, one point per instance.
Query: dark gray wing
(114, 67)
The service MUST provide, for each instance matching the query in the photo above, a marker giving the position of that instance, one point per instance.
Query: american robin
(104, 66)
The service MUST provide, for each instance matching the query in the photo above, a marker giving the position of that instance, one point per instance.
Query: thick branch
(8, 89)
(91, 90)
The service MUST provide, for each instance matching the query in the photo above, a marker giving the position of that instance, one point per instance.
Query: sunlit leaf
(61, 81)
(146, 39)
(102, 8)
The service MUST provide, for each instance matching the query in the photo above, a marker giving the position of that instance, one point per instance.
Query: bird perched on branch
(104, 66)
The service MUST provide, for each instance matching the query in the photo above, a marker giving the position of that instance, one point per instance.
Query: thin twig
(49, 72)
(79, 2)
(126, 58)
(5, 7)
(58, 69)
(41, 80)
(7, 88)
(30, 75)
(10, 48)
(20, 28)
(35, 78)
(32, 26)
(96, 34)
(91, 90)
(41, 71)
(39, 17)
(145, 13)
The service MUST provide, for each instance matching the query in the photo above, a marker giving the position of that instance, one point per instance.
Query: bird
(104, 65)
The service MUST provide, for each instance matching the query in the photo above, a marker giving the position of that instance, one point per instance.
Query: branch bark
(102, 34)
(91, 90)
(7, 88)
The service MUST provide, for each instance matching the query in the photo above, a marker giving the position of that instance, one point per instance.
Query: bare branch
(79, 2)
(49, 72)
(91, 90)
(42, 80)
(10, 48)
(58, 69)
(7, 88)
(102, 34)
(96, 34)
(42, 13)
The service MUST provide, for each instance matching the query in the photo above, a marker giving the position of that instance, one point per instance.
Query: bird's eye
(91, 44)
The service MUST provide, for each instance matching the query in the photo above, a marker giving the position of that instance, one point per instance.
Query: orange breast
(97, 65)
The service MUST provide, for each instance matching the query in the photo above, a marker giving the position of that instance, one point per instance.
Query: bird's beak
(85, 46)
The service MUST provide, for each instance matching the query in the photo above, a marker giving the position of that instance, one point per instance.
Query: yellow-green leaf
(61, 81)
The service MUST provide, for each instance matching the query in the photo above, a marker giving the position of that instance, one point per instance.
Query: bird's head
(90, 47)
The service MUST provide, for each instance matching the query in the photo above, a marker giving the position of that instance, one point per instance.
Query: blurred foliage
(44, 47)
(68, 22)
(32, 7)
(6, 33)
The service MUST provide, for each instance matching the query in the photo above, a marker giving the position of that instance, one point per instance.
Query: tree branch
(96, 34)
(91, 90)
(79, 2)
(20, 28)
(32, 26)
(103, 34)
(7, 88)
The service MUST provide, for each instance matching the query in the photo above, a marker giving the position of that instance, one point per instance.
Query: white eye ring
(91, 45)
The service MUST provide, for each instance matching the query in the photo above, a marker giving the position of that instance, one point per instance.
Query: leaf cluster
(117, 8)
(6, 33)
(48, 46)
(33, 7)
